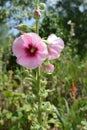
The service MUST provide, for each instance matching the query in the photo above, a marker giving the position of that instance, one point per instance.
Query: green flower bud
(42, 6)
(24, 28)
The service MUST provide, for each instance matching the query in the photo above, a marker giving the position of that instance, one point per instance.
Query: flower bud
(37, 14)
(42, 6)
(24, 28)
(49, 68)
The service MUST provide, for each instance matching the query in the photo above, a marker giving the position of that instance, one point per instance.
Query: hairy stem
(38, 74)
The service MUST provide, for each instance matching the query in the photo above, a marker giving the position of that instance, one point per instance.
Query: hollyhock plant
(48, 68)
(55, 46)
(30, 50)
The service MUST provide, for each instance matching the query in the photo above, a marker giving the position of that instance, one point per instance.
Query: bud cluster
(37, 12)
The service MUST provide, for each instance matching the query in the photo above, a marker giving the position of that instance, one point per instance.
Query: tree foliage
(56, 19)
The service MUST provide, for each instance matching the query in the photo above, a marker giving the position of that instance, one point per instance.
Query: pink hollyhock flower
(30, 50)
(48, 68)
(55, 46)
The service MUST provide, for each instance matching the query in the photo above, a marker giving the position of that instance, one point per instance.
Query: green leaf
(8, 94)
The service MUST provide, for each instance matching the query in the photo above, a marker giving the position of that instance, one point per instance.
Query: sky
(48, 3)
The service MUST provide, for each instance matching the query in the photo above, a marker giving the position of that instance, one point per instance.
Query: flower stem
(37, 26)
(38, 75)
(39, 97)
(37, 20)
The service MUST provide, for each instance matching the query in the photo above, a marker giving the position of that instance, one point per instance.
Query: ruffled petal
(51, 38)
(53, 54)
(18, 47)
(36, 39)
(55, 46)
(30, 62)
(58, 45)
(59, 42)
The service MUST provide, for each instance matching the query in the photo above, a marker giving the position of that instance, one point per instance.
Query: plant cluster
(61, 103)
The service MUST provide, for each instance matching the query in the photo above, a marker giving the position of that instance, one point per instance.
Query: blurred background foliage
(55, 19)
(68, 20)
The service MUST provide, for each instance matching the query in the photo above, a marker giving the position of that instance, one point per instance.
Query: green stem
(37, 4)
(38, 75)
(39, 97)
(37, 26)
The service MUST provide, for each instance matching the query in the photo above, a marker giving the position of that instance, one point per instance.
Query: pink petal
(32, 38)
(42, 51)
(18, 48)
(55, 46)
(58, 45)
(59, 42)
(53, 54)
(30, 62)
(27, 39)
(51, 38)
(36, 40)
